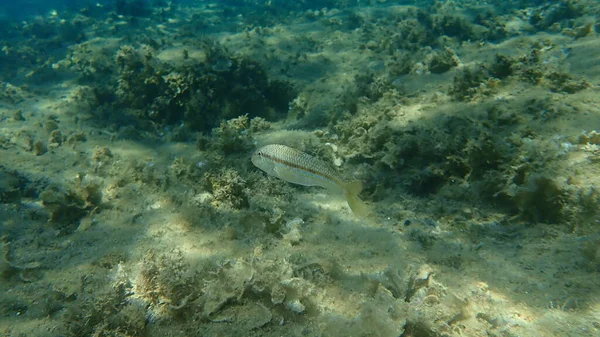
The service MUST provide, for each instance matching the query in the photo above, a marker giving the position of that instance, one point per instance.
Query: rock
(39, 148)
(56, 138)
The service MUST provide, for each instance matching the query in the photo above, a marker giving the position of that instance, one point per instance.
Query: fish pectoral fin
(291, 177)
(279, 173)
(284, 174)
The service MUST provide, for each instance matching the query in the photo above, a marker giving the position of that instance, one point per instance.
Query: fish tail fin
(354, 187)
(358, 207)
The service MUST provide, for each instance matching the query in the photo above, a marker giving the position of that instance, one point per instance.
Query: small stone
(278, 294)
(39, 148)
(56, 138)
(102, 154)
(76, 137)
(51, 126)
(296, 306)
(18, 115)
(371, 44)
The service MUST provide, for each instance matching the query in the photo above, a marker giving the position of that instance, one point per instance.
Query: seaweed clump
(435, 27)
(472, 82)
(532, 68)
(197, 94)
(486, 152)
(557, 13)
(535, 69)
(67, 206)
(228, 189)
(106, 312)
(441, 62)
(235, 135)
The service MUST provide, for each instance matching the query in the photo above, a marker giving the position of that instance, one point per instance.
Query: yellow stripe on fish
(301, 168)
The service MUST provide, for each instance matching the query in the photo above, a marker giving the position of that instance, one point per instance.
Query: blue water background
(22, 9)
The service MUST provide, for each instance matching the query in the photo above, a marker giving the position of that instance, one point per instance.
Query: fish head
(261, 160)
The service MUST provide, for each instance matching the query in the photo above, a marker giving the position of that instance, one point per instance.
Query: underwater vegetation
(190, 92)
(130, 206)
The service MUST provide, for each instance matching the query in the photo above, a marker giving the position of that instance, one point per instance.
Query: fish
(300, 168)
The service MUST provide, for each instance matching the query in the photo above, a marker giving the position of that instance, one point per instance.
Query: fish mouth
(254, 158)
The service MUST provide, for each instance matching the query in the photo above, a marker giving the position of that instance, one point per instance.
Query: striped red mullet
(300, 168)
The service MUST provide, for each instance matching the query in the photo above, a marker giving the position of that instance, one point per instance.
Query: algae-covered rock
(532, 68)
(92, 60)
(541, 200)
(470, 83)
(502, 67)
(11, 93)
(546, 16)
(197, 93)
(111, 311)
(67, 206)
(495, 24)
(11, 186)
(592, 137)
(441, 62)
(228, 189)
(233, 136)
(39, 148)
(168, 284)
(453, 26)
(566, 83)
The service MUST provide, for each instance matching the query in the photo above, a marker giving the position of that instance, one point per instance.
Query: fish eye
(259, 153)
